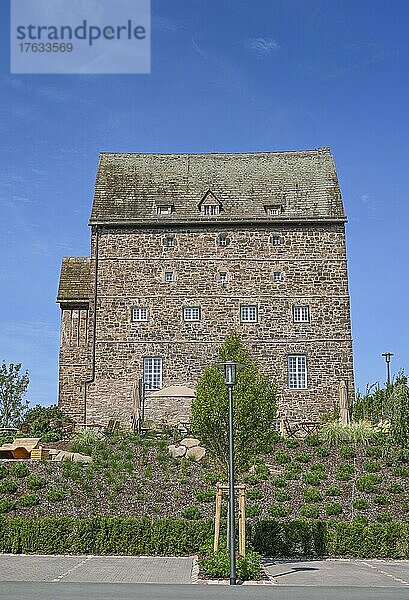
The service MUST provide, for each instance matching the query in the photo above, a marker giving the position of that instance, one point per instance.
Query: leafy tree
(255, 407)
(13, 386)
(399, 413)
(41, 420)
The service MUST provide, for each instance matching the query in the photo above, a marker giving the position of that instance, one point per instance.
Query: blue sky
(228, 76)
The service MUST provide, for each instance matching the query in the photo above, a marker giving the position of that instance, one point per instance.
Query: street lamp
(387, 356)
(230, 378)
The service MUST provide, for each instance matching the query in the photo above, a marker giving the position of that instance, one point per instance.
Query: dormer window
(164, 209)
(274, 210)
(210, 205)
(210, 209)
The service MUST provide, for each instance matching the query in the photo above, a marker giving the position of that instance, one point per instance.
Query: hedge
(136, 536)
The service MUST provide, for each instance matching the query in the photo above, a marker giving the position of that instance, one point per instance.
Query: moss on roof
(74, 280)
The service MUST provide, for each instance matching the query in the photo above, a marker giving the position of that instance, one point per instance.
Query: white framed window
(210, 209)
(165, 209)
(297, 372)
(152, 373)
(274, 210)
(169, 276)
(191, 313)
(139, 314)
(222, 240)
(277, 276)
(275, 240)
(223, 276)
(248, 314)
(301, 314)
(169, 242)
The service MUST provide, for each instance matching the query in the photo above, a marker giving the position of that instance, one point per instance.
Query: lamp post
(230, 378)
(387, 356)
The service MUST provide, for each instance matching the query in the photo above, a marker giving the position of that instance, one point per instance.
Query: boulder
(190, 442)
(83, 458)
(196, 453)
(176, 451)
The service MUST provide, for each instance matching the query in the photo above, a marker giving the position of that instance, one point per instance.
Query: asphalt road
(93, 591)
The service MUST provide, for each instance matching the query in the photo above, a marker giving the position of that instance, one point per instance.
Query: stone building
(184, 249)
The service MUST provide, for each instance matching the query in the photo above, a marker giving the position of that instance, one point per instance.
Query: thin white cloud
(261, 47)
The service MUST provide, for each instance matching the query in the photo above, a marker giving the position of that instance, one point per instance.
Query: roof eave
(220, 222)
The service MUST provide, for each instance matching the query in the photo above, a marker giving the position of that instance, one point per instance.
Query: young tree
(13, 386)
(399, 412)
(255, 407)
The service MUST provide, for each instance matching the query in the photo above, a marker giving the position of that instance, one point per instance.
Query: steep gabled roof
(129, 187)
(74, 284)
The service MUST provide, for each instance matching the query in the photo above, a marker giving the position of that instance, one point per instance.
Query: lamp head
(230, 371)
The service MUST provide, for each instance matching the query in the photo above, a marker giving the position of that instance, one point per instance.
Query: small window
(275, 240)
(223, 277)
(248, 314)
(297, 372)
(210, 209)
(165, 209)
(169, 276)
(152, 373)
(222, 240)
(169, 242)
(274, 210)
(191, 313)
(301, 314)
(277, 276)
(139, 313)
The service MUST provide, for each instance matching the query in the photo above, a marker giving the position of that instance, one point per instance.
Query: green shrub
(360, 520)
(254, 494)
(292, 443)
(280, 510)
(40, 420)
(312, 440)
(320, 469)
(367, 483)
(19, 469)
(6, 505)
(217, 566)
(360, 504)
(333, 508)
(87, 442)
(35, 482)
(191, 513)
(279, 482)
(303, 457)
(28, 500)
(210, 477)
(335, 433)
(344, 472)
(323, 451)
(347, 452)
(3, 471)
(374, 451)
(281, 457)
(311, 495)
(333, 490)
(395, 488)
(309, 511)
(384, 517)
(311, 478)
(56, 495)
(252, 510)
(371, 466)
(282, 496)
(261, 470)
(292, 471)
(400, 471)
(8, 486)
(50, 436)
(205, 495)
(381, 499)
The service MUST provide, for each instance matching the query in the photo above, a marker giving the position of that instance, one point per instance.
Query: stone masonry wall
(132, 265)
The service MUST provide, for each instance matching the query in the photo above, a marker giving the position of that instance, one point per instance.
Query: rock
(196, 453)
(59, 457)
(176, 451)
(190, 442)
(83, 458)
